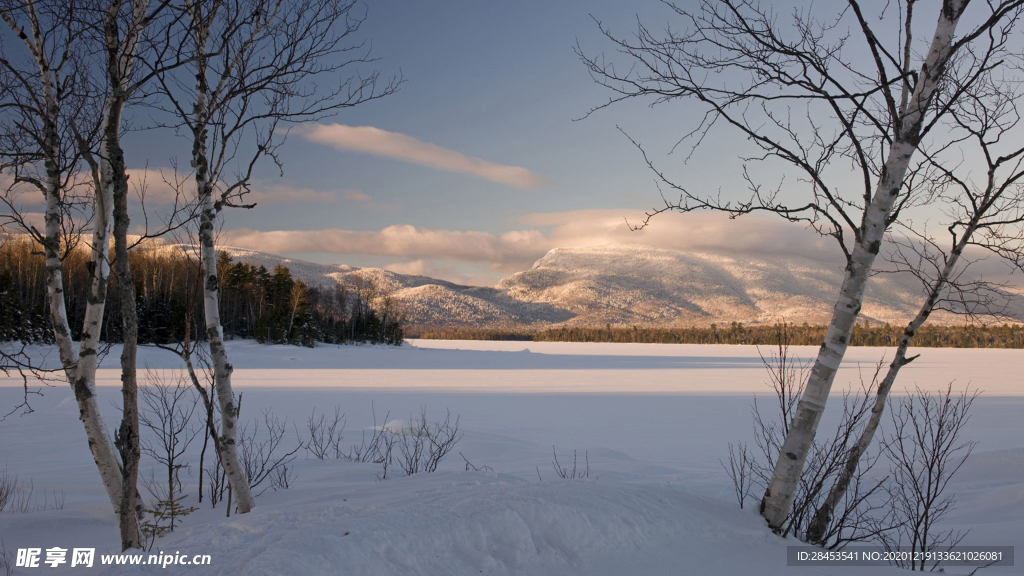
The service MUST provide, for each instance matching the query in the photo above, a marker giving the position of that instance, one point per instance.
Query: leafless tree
(48, 114)
(167, 414)
(800, 90)
(63, 123)
(925, 449)
(984, 210)
(120, 26)
(253, 67)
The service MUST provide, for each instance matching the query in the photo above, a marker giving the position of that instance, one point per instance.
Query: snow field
(654, 420)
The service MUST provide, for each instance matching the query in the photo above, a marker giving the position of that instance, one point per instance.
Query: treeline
(269, 306)
(967, 336)
(471, 334)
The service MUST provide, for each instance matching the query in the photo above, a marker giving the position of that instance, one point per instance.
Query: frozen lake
(552, 367)
(648, 415)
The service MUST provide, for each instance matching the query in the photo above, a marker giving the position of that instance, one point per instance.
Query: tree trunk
(778, 498)
(209, 209)
(211, 291)
(823, 515)
(127, 438)
(80, 371)
(121, 52)
(215, 336)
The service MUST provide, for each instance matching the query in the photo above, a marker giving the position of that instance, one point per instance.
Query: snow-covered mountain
(631, 285)
(426, 302)
(641, 285)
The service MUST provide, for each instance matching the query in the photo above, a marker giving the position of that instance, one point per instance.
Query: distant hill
(632, 285)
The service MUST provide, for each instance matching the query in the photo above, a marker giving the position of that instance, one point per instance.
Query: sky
(486, 157)
(478, 165)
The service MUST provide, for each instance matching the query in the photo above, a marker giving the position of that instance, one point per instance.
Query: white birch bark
(209, 209)
(823, 515)
(778, 498)
(84, 380)
(121, 51)
(80, 371)
(222, 368)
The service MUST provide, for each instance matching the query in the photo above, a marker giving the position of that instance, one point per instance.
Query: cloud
(510, 251)
(706, 231)
(11, 225)
(370, 140)
(264, 193)
(356, 196)
(445, 270)
(161, 185)
(518, 249)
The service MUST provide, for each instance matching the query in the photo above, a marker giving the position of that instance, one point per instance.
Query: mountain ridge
(631, 285)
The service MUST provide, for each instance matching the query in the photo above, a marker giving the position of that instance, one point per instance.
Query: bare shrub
(414, 447)
(423, 445)
(52, 500)
(474, 468)
(385, 453)
(281, 478)
(369, 449)
(8, 488)
(573, 474)
(324, 435)
(825, 461)
(925, 450)
(217, 482)
(17, 497)
(7, 559)
(740, 470)
(261, 453)
(864, 514)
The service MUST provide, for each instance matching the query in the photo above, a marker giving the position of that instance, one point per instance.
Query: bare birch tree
(47, 109)
(254, 66)
(120, 30)
(120, 35)
(819, 94)
(90, 137)
(984, 201)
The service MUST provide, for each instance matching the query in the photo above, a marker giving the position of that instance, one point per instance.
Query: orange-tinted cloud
(370, 140)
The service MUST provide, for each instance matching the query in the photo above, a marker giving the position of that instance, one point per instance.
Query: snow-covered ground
(653, 419)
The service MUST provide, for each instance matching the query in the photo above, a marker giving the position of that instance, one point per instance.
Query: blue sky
(483, 160)
(480, 163)
(493, 80)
